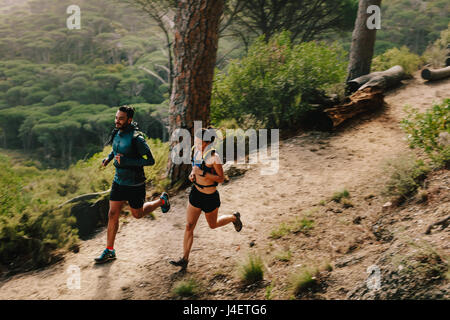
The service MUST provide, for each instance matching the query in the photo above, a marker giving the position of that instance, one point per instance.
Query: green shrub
(30, 230)
(339, 195)
(437, 52)
(428, 130)
(295, 226)
(284, 256)
(186, 288)
(281, 231)
(410, 62)
(304, 279)
(252, 270)
(275, 81)
(406, 175)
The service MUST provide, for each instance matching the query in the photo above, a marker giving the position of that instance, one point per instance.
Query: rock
(387, 206)
(357, 220)
(444, 139)
(252, 243)
(234, 170)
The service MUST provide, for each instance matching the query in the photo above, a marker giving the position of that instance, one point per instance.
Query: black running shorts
(204, 201)
(135, 195)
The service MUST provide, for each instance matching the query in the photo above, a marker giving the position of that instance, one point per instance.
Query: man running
(128, 151)
(207, 173)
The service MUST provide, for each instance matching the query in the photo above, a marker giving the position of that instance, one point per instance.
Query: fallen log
(382, 79)
(435, 74)
(366, 99)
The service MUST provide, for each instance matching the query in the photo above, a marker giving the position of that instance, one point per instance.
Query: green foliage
(58, 86)
(410, 62)
(405, 175)
(57, 141)
(429, 131)
(414, 24)
(11, 199)
(436, 53)
(30, 227)
(275, 81)
(284, 256)
(302, 280)
(252, 270)
(339, 195)
(282, 230)
(186, 288)
(29, 230)
(295, 226)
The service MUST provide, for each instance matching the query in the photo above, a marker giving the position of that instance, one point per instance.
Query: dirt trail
(312, 167)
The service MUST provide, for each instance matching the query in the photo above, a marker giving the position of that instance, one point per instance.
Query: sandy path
(312, 167)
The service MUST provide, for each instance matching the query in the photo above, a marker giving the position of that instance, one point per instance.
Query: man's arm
(143, 150)
(108, 158)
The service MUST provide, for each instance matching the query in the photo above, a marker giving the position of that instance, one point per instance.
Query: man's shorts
(135, 195)
(207, 202)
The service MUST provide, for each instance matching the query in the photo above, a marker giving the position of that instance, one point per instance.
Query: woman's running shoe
(180, 263)
(238, 222)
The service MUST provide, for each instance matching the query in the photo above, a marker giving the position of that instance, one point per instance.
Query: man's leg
(146, 208)
(192, 216)
(113, 221)
(213, 222)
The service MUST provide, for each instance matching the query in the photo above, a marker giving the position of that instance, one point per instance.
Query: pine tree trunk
(363, 42)
(195, 50)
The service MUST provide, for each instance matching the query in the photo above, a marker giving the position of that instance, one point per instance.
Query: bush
(406, 175)
(295, 226)
(252, 270)
(339, 195)
(186, 288)
(274, 83)
(30, 230)
(410, 62)
(437, 52)
(428, 131)
(304, 279)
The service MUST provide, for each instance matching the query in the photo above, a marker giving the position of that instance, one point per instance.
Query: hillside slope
(313, 166)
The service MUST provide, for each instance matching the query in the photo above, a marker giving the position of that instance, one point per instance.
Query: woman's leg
(192, 216)
(213, 222)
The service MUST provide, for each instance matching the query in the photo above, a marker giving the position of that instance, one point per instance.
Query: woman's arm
(219, 176)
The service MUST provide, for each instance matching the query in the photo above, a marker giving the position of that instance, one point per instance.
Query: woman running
(207, 173)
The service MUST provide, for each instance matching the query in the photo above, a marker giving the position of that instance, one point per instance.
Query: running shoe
(238, 222)
(166, 206)
(180, 263)
(107, 255)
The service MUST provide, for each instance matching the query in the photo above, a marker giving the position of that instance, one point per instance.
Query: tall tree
(363, 42)
(305, 19)
(195, 50)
